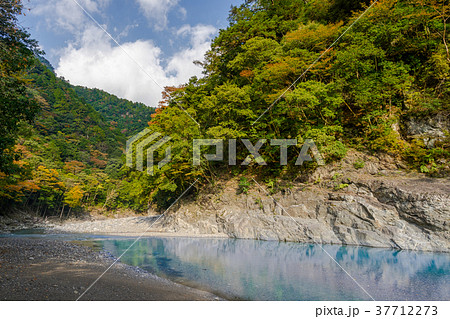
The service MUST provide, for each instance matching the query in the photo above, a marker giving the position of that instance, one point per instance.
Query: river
(259, 270)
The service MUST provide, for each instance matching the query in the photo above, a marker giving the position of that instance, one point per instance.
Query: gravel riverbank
(41, 269)
(128, 227)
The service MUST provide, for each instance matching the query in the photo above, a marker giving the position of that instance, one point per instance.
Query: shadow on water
(256, 270)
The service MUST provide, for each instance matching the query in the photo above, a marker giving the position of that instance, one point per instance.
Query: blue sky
(164, 37)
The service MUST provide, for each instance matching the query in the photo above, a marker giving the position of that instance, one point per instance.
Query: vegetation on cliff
(392, 64)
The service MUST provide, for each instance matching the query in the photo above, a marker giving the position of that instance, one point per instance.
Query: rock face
(429, 130)
(411, 214)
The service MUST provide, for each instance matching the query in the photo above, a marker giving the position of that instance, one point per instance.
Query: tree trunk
(62, 211)
(60, 201)
(38, 206)
(45, 211)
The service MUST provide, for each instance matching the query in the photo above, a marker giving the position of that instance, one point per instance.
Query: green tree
(16, 55)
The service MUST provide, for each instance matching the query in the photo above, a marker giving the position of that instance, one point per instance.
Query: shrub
(244, 185)
(359, 164)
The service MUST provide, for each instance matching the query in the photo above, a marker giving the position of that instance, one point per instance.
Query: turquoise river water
(258, 270)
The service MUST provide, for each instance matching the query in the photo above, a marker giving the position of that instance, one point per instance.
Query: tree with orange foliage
(74, 167)
(99, 159)
(73, 198)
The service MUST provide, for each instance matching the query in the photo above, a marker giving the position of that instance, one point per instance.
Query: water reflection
(255, 270)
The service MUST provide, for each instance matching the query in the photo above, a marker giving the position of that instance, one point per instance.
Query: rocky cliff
(372, 207)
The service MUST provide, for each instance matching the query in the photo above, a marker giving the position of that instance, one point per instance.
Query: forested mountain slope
(70, 155)
(130, 118)
(68, 122)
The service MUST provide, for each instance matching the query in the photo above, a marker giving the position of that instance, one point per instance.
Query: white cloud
(199, 33)
(126, 31)
(157, 11)
(66, 15)
(92, 59)
(182, 62)
(97, 62)
(183, 12)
